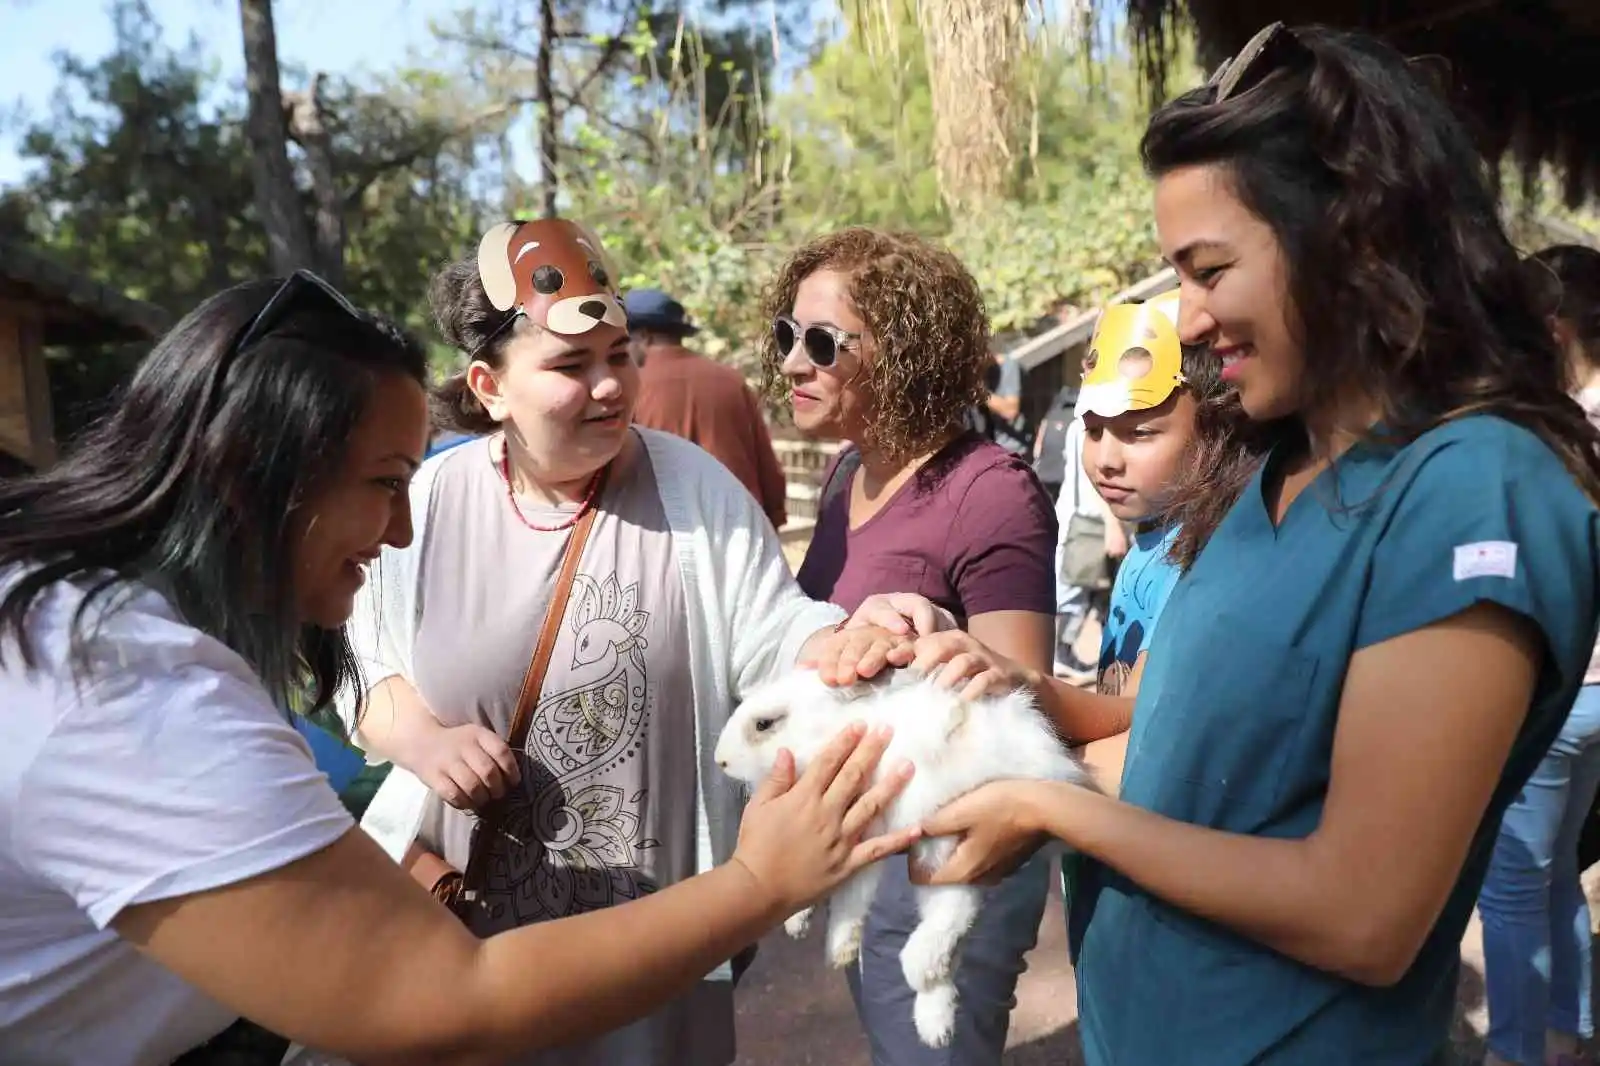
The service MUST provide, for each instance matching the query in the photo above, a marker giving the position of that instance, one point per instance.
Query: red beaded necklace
(588, 496)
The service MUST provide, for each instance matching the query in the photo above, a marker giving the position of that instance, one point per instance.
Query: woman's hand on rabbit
(845, 656)
(466, 765)
(801, 838)
(905, 613)
(998, 828)
(958, 660)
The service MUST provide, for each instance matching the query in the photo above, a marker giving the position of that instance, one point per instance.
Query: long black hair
(1400, 274)
(190, 483)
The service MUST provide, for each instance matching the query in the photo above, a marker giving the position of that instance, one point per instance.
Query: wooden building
(44, 304)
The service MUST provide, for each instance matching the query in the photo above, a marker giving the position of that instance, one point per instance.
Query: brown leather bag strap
(490, 818)
(545, 646)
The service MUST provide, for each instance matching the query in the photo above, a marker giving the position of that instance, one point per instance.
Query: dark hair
(1399, 271)
(468, 322)
(928, 324)
(1227, 448)
(190, 483)
(1570, 276)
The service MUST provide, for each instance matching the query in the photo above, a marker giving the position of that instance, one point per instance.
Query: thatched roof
(76, 309)
(1527, 71)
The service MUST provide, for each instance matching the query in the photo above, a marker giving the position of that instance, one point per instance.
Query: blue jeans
(992, 958)
(1535, 918)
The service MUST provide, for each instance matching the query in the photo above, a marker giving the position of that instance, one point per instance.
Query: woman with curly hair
(1375, 648)
(883, 340)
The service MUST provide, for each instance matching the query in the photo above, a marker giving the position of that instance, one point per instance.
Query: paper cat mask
(1135, 360)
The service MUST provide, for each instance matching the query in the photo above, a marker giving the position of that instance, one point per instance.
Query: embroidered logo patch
(1486, 558)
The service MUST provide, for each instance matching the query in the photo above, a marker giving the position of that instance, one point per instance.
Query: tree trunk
(311, 132)
(972, 48)
(548, 124)
(277, 198)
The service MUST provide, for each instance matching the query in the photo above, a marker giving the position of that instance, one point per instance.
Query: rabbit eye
(598, 273)
(764, 725)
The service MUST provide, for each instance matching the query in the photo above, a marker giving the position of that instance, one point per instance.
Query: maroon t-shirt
(973, 531)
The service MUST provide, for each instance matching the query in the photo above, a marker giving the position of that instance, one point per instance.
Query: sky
(338, 36)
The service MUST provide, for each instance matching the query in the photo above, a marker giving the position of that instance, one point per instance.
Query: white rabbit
(955, 746)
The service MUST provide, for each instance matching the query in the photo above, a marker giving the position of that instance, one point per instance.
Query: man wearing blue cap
(684, 393)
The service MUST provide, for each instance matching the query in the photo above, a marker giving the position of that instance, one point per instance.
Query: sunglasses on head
(294, 293)
(1274, 47)
(822, 343)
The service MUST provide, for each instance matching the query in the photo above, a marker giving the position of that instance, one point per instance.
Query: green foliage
(700, 176)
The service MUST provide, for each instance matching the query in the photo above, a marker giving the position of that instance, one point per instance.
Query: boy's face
(1134, 458)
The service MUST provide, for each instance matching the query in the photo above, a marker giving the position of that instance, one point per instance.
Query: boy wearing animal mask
(1156, 415)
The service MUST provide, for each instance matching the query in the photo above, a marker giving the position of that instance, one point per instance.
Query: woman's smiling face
(1234, 287)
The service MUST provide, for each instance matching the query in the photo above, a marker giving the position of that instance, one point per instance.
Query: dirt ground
(794, 1011)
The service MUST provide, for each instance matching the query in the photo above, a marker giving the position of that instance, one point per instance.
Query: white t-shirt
(162, 771)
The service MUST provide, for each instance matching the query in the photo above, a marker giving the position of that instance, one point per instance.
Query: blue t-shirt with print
(1144, 581)
(1235, 719)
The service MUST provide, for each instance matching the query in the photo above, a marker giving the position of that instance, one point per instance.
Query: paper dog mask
(1135, 359)
(554, 271)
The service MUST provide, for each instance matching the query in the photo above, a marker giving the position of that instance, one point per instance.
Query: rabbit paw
(935, 1015)
(844, 943)
(927, 958)
(798, 924)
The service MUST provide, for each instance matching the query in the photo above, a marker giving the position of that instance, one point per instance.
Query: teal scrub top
(1234, 723)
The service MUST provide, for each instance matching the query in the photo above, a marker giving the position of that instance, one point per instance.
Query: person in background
(1536, 938)
(684, 393)
(1384, 634)
(1089, 546)
(1003, 407)
(882, 340)
(1049, 443)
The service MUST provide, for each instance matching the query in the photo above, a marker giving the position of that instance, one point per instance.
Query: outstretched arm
(1359, 895)
(341, 952)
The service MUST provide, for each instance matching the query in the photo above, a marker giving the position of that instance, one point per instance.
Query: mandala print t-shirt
(605, 810)
(1144, 581)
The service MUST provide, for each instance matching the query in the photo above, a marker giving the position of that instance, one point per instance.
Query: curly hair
(929, 329)
(1400, 273)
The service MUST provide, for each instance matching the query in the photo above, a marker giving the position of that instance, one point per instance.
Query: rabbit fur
(955, 746)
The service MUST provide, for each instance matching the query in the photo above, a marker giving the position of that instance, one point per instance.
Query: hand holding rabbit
(801, 838)
(957, 660)
(998, 832)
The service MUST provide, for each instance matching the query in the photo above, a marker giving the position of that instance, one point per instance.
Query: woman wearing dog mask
(882, 340)
(558, 647)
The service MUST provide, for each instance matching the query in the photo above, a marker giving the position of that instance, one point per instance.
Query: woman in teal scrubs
(1381, 639)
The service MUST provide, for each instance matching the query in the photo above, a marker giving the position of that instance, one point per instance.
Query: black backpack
(1051, 465)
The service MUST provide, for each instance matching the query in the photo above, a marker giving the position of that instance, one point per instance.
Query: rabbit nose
(722, 763)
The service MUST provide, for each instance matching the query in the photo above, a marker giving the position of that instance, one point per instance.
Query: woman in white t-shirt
(170, 858)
